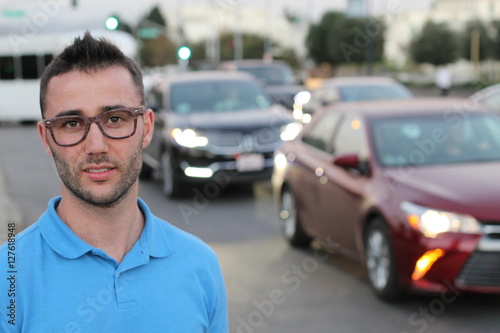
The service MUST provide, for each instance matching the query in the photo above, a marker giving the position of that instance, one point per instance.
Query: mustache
(97, 159)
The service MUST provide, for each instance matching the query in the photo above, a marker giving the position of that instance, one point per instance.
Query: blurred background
(404, 38)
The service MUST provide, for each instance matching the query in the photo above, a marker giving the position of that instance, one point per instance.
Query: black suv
(280, 81)
(214, 126)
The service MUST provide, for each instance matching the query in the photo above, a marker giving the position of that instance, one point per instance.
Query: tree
(338, 39)
(157, 48)
(436, 44)
(486, 44)
(159, 51)
(156, 16)
(495, 40)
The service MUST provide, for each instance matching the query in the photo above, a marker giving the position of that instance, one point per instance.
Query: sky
(60, 14)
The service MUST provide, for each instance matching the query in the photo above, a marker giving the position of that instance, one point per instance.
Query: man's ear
(149, 126)
(42, 131)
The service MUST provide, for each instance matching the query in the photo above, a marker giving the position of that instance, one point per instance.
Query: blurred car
(489, 96)
(279, 79)
(409, 189)
(350, 89)
(213, 126)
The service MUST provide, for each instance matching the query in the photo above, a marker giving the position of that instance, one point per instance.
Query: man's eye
(115, 119)
(71, 124)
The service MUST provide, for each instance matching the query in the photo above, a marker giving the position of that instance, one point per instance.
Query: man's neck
(112, 229)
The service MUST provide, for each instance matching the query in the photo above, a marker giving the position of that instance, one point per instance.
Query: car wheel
(290, 223)
(171, 186)
(380, 262)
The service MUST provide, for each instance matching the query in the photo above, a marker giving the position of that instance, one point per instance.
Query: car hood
(245, 121)
(466, 188)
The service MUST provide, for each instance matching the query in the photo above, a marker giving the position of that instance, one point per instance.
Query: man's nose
(95, 142)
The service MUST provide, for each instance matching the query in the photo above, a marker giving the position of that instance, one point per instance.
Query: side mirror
(350, 161)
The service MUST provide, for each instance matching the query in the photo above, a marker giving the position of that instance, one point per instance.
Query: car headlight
(432, 222)
(188, 138)
(302, 97)
(280, 161)
(290, 131)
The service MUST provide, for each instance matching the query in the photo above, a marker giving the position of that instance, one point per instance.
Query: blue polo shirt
(170, 281)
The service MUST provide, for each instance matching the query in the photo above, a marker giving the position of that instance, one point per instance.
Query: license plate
(250, 162)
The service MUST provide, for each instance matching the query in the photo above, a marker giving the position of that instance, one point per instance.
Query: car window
(271, 75)
(217, 96)
(372, 92)
(429, 140)
(349, 138)
(319, 135)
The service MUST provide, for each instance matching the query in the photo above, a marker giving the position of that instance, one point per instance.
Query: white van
(22, 61)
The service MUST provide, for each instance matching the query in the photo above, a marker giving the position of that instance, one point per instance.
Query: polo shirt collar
(66, 243)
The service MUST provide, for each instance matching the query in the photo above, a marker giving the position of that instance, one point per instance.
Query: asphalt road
(271, 287)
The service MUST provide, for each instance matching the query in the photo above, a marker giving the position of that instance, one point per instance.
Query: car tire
(380, 262)
(171, 187)
(290, 224)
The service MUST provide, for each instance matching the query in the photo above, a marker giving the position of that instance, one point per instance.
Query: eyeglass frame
(135, 111)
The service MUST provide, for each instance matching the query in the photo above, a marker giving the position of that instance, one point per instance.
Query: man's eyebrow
(70, 113)
(112, 107)
(77, 112)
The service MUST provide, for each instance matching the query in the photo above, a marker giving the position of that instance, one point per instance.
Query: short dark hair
(89, 54)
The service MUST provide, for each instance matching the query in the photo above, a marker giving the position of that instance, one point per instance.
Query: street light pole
(370, 41)
(237, 38)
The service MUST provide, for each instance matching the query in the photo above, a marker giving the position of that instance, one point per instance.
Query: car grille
(266, 136)
(225, 139)
(256, 140)
(481, 269)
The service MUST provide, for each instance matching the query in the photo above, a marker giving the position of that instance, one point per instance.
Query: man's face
(98, 170)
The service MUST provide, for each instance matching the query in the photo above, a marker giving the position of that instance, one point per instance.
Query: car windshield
(271, 75)
(439, 139)
(217, 96)
(355, 93)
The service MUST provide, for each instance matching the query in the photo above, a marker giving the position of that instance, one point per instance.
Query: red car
(409, 188)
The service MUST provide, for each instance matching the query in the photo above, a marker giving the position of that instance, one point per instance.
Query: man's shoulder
(177, 235)
(184, 243)
(24, 240)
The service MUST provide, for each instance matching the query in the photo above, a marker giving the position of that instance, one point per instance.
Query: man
(98, 260)
(443, 80)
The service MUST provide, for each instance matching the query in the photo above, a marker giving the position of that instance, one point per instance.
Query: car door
(341, 191)
(312, 154)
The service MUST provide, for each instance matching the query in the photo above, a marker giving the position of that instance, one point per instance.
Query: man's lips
(99, 173)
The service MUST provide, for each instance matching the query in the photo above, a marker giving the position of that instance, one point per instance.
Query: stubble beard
(70, 177)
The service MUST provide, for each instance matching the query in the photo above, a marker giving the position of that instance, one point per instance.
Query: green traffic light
(184, 53)
(112, 23)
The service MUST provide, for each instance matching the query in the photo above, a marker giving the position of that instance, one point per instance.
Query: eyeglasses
(115, 124)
